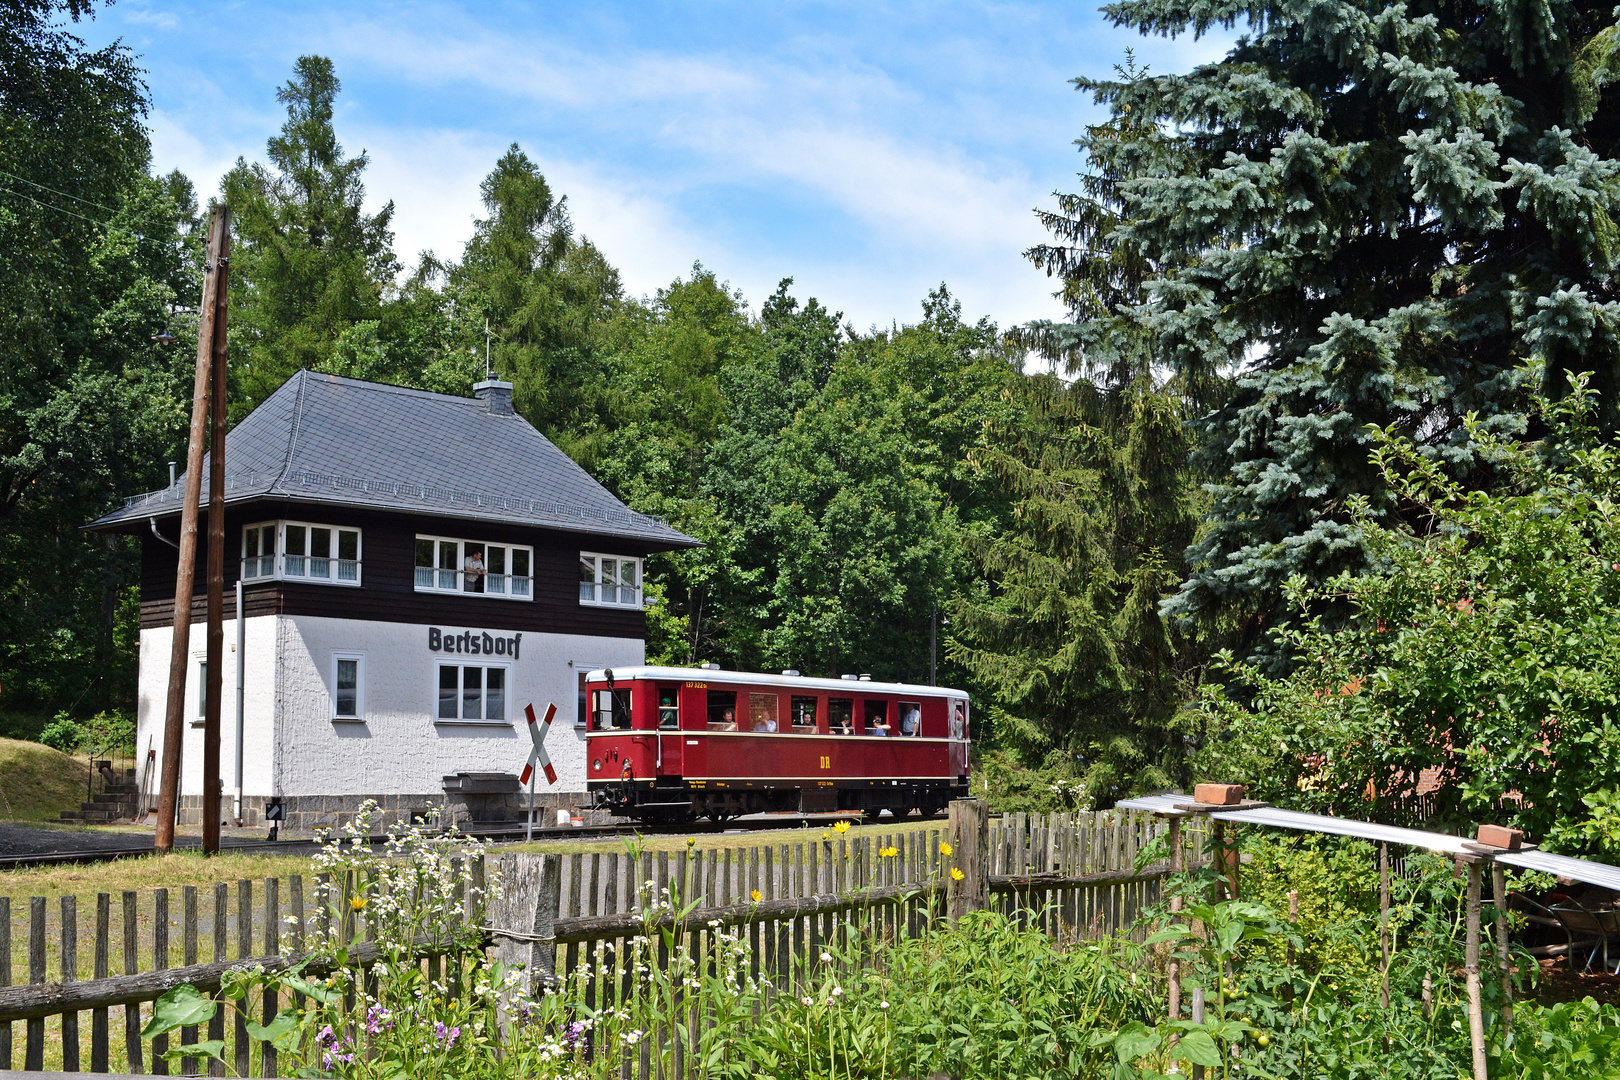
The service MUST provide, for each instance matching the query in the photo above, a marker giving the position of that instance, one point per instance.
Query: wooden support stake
(185, 582)
(1173, 970)
(1476, 1014)
(1383, 919)
(216, 540)
(1504, 958)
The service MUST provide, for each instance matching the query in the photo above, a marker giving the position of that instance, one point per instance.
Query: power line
(53, 191)
(51, 206)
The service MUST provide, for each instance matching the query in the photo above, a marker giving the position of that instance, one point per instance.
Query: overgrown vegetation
(991, 998)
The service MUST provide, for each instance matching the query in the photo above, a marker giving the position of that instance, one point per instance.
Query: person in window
(473, 566)
(912, 721)
(958, 721)
(728, 720)
(879, 726)
(765, 723)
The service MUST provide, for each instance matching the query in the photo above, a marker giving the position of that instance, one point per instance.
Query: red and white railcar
(671, 744)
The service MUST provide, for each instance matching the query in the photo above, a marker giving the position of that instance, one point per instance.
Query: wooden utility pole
(216, 543)
(185, 574)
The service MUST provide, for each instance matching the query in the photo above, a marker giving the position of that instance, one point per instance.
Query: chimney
(496, 396)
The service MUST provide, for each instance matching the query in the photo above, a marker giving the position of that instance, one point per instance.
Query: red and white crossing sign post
(538, 730)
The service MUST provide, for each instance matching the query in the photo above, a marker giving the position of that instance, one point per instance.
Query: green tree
(1367, 215)
(308, 264)
(94, 255)
(546, 296)
(1483, 643)
(1083, 671)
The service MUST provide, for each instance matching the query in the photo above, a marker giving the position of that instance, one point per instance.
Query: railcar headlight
(597, 765)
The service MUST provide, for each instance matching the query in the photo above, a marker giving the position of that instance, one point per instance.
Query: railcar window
(722, 710)
(877, 717)
(910, 718)
(761, 712)
(959, 720)
(612, 709)
(804, 713)
(841, 716)
(669, 708)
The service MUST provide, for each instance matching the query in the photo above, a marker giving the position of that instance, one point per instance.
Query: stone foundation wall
(306, 813)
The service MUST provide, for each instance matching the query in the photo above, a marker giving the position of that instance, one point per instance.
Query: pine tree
(1365, 214)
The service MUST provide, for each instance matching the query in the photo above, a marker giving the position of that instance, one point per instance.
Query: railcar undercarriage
(674, 800)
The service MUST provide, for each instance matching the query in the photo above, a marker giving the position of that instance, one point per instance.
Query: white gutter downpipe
(241, 685)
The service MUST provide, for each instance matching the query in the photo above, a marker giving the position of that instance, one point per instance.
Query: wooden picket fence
(1071, 875)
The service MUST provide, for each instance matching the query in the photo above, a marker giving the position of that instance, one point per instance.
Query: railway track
(497, 834)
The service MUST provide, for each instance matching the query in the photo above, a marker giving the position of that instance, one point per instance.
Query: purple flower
(575, 1032)
(446, 1037)
(378, 1019)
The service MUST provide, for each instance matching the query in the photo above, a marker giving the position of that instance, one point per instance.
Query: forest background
(1360, 224)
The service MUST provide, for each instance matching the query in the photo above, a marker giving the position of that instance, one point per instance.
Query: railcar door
(670, 739)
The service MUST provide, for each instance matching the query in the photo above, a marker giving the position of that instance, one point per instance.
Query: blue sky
(867, 151)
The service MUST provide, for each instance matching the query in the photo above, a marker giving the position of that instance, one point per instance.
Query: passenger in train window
(765, 724)
(877, 718)
(958, 720)
(728, 720)
(910, 718)
(841, 716)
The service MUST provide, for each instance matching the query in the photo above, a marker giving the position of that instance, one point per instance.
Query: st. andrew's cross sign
(537, 735)
(538, 730)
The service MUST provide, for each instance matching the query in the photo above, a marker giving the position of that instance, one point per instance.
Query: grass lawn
(762, 838)
(38, 783)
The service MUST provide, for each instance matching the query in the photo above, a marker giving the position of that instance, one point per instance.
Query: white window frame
(200, 700)
(483, 702)
(508, 586)
(280, 564)
(359, 716)
(593, 599)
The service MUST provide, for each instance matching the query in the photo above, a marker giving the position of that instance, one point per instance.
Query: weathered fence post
(969, 831)
(523, 916)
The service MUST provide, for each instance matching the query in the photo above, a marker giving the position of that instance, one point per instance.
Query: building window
(348, 686)
(299, 551)
(469, 692)
(202, 694)
(609, 579)
(474, 566)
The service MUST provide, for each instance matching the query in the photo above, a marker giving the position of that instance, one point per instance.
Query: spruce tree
(1364, 214)
(308, 263)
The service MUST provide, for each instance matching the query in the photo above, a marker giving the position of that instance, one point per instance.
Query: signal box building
(416, 569)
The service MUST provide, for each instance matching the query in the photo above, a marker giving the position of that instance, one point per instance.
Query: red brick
(1498, 837)
(1218, 794)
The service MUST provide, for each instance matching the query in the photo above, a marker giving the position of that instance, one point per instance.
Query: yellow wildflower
(888, 852)
(956, 873)
(756, 896)
(358, 903)
(691, 841)
(841, 826)
(944, 848)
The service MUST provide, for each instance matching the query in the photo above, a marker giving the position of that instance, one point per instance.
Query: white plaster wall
(258, 714)
(399, 750)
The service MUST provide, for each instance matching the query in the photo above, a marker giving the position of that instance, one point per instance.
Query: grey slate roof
(324, 439)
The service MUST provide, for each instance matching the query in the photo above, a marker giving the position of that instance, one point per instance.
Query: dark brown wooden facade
(387, 592)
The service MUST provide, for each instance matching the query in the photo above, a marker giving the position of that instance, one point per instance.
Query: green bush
(64, 734)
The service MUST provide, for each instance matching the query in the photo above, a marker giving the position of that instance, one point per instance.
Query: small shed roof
(1364, 830)
(328, 440)
(1564, 866)
(1166, 805)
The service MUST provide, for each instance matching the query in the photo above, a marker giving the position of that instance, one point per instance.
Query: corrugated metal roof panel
(1333, 826)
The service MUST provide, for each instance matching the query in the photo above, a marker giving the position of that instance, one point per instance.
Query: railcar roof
(759, 678)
